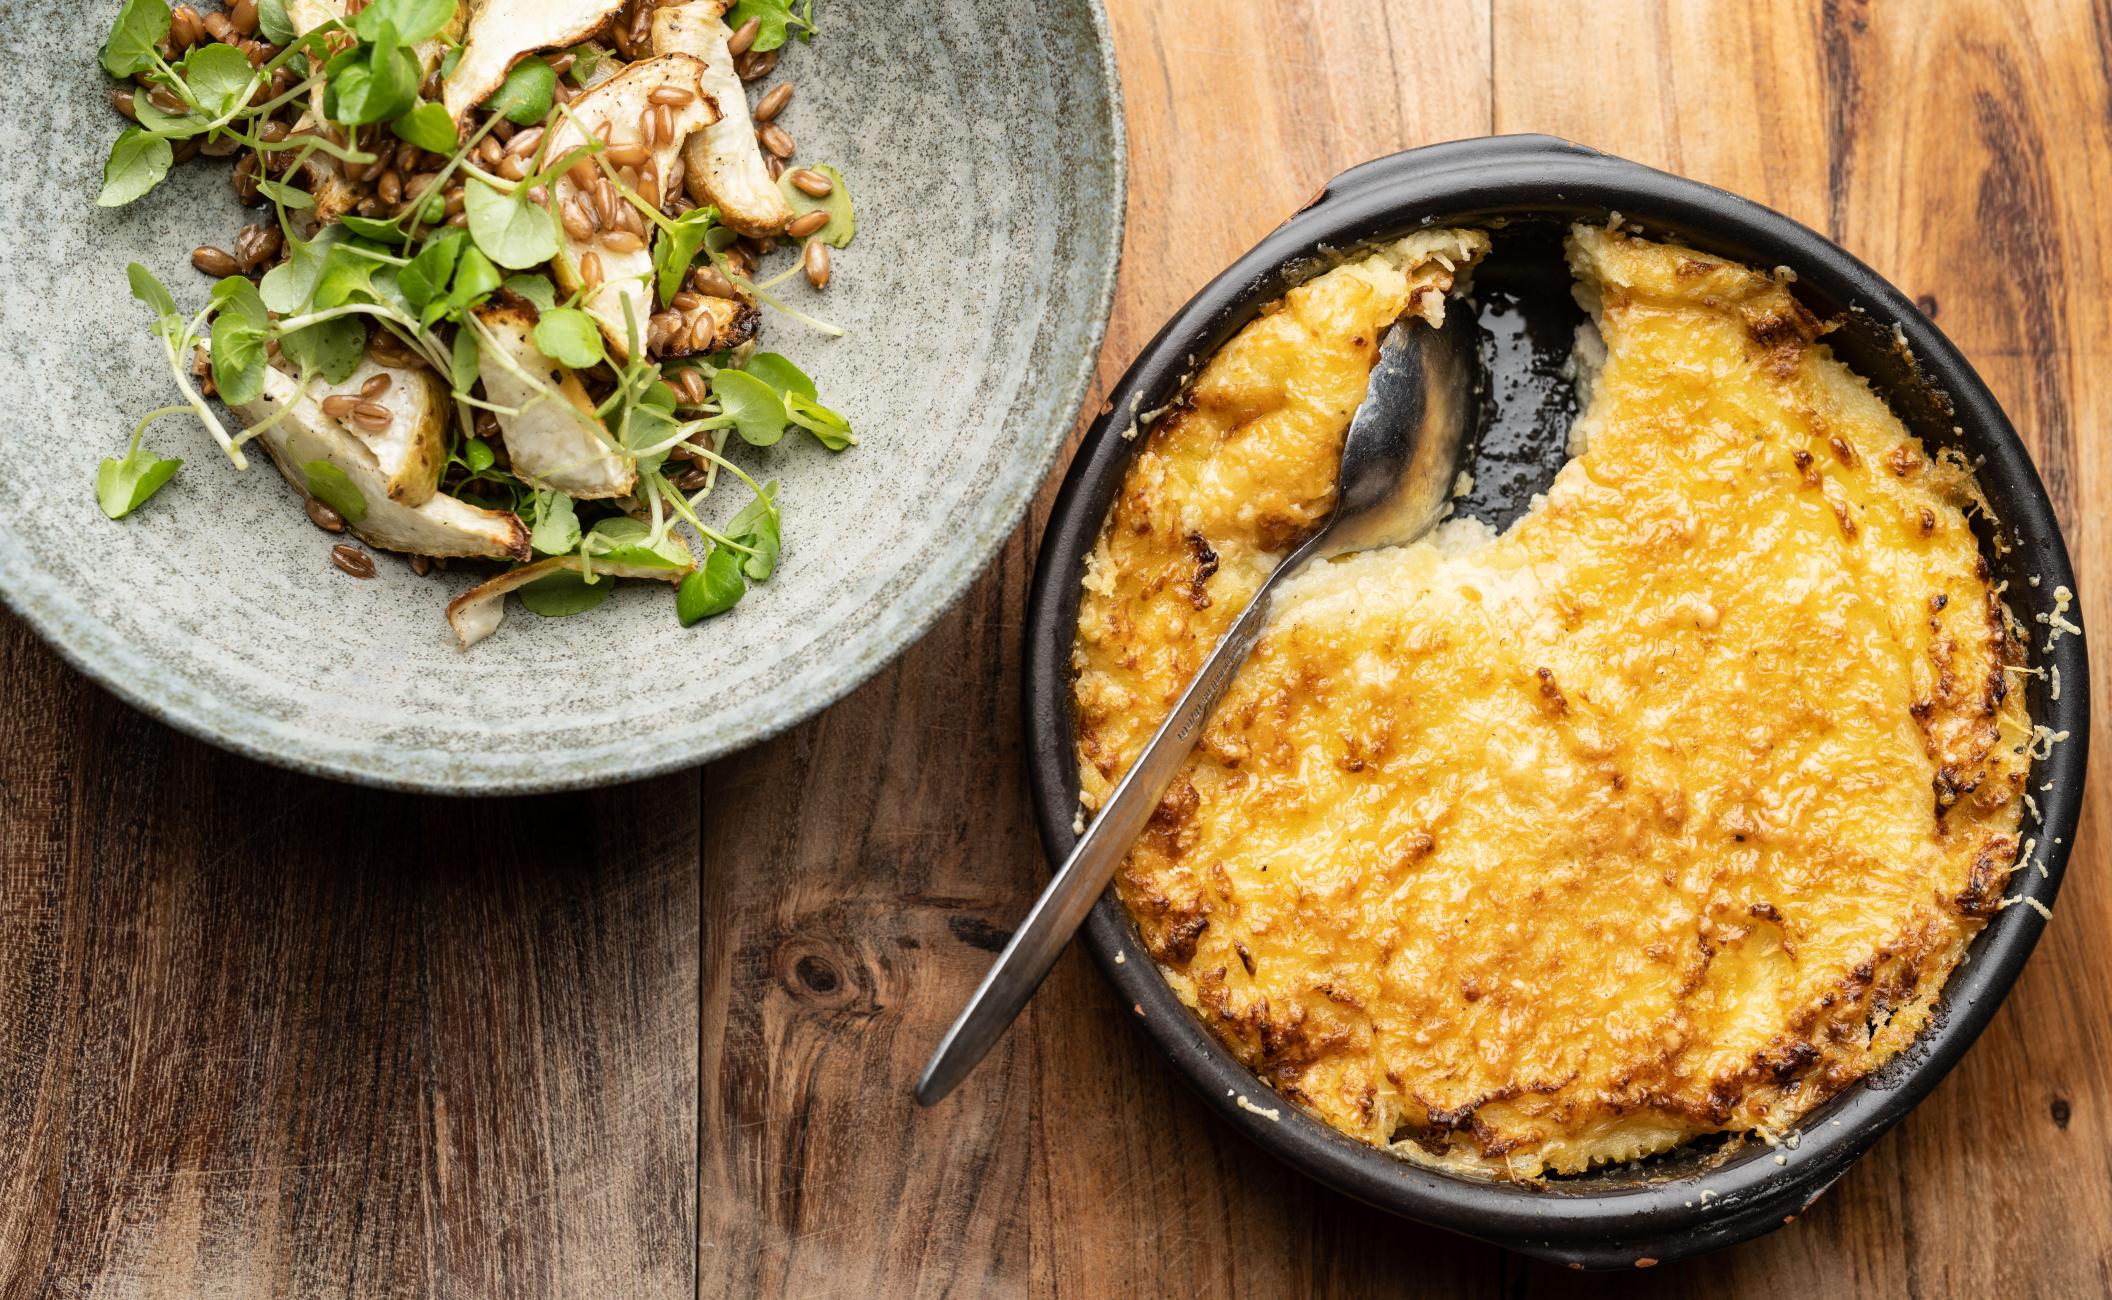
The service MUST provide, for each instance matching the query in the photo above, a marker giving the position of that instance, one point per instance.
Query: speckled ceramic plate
(983, 142)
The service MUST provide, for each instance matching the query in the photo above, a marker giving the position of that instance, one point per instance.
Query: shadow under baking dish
(1526, 190)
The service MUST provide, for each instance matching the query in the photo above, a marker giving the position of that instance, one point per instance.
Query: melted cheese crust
(1666, 813)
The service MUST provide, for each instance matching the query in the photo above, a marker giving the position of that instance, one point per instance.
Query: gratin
(1665, 813)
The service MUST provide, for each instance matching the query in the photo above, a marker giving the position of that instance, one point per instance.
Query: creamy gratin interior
(1665, 813)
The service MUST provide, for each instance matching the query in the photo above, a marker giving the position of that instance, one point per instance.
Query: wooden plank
(1961, 151)
(860, 871)
(265, 1035)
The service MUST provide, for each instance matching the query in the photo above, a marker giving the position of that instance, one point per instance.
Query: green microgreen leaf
(511, 229)
(555, 529)
(409, 21)
(240, 327)
(274, 24)
(524, 97)
(777, 19)
(286, 196)
(345, 275)
(564, 593)
(335, 489)
(429, 127)
(569, 337)
(676, 248)
(832, 429)
(843, 220)
(427, 276)
(629, 542)
(374, 228)
(756, 527)
(478, 455)
(536, 289)
(373, 81)
(289, 286)
(650, 420)
(778, 371)
(711, 589)
(334, 348)
(123, 485)
(585, 58)
(136, 164)
(464, 359)
(141, 26)
(756, 409)
(154, 294)
(220, 77)
(475, 280)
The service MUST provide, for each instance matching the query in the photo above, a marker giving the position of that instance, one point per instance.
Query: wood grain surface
(261, 1035)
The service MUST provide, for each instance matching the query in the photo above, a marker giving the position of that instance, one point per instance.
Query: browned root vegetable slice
(613, 112)
(441, 525)
(411, 448)
(477, 613)
(556, 441)
(500, 33)
(724, 165)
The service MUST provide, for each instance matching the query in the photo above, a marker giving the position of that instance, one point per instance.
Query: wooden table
(263, 1035)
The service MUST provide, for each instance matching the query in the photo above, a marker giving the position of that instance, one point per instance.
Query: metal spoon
(1400, 459)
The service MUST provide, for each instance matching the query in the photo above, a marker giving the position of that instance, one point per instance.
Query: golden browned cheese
(1666, 813)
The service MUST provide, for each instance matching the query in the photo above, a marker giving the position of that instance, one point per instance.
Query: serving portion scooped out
(504, 305)
(1667, 812)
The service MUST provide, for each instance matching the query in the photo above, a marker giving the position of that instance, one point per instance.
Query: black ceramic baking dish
(1526, 189)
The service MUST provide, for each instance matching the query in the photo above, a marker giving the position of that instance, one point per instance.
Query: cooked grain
(802, 226)
(372, 416)
(340, 407)
(621, 241)
(213, 261)
(743, 37)
(577, 227)
(754, 67)
(816, 263)
(812, 183)
(352, 560)
(775, 138)
(375, 387)
(773, 103)
(323, 517)
(255, 245)
(708, 280)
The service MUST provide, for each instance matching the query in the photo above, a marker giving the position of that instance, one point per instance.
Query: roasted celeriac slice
(412, 449)
(441, 525)
(500, 33)
(614, 112)
(724, 166)
(554, 439)
(477, 613)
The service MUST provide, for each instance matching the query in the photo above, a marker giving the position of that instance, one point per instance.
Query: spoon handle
(1070, 895)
